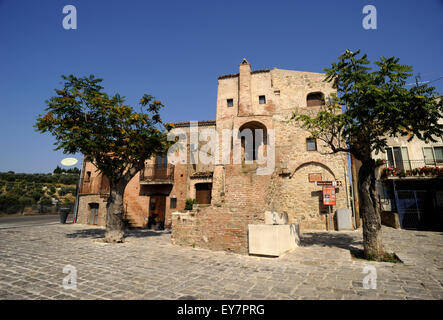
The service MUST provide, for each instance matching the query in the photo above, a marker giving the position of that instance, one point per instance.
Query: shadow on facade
(326, 239)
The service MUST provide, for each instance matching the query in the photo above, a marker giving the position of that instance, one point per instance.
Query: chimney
(244, 101)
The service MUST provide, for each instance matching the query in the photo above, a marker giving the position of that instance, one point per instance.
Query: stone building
(276, 172)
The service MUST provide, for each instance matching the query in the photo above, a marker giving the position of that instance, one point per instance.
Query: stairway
(134, 221)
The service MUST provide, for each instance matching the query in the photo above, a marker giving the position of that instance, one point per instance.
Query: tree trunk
(370, 210)
(114, 214)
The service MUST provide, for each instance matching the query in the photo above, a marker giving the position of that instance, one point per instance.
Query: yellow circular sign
(67, 162)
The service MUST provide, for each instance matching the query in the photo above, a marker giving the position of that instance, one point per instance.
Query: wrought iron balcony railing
(155, 173)
(413, 164)
(409, 168)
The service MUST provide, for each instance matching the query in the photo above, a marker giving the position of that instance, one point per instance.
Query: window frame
(434, 162)
(173, 203)
(405, 163)
(437, 161)
(307, 144)
(260, 100)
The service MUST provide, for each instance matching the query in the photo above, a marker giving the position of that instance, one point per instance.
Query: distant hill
(37, 192)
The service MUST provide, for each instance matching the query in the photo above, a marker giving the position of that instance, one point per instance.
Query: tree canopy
(377, 104)
(111, 134)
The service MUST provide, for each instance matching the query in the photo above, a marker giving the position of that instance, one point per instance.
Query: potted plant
(189, 203)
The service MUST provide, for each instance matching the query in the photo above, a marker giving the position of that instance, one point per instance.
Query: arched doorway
(253, 136)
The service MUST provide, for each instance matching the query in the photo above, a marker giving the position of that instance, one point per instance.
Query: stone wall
(215, 228)
(240, 196)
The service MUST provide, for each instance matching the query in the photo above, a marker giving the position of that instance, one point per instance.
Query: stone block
(272, 240)
(344, 219)
(272, 217)
(390, 219)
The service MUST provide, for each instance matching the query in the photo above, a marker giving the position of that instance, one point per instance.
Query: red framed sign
(329, 196)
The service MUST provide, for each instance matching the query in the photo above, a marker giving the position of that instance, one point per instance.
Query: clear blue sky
(175, 50)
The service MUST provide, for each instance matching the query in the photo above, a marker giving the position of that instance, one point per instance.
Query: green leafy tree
(45, 201)
(376, 105)
(73, 171)
(26, 201)
(58, 170)
(36, 194)
(111, 135)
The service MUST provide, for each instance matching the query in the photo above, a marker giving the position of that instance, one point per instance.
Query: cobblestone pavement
(147, 266)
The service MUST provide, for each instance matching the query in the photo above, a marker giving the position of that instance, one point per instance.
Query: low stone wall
(215, 228)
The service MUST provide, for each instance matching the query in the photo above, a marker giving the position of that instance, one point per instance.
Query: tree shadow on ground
(326, 239)
(96, 233)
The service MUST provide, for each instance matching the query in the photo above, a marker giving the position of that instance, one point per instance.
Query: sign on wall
(329, 196)
(329, 183)
(313, 177)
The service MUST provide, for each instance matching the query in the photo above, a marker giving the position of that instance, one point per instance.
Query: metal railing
(157, 173)
(413, 164)
(410, 168)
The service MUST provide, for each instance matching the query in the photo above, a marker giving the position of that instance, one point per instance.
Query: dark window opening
(173, 203)
(88, 175)
(315, 99)
(230, 102)
(398, 157)
(262, 99)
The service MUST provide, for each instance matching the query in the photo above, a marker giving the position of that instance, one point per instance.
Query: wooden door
(93, 218)
(157, 209)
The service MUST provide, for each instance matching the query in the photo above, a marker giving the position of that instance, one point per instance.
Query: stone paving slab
(148, 266)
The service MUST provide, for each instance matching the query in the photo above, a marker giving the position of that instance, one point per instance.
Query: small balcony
(155, 174)
(411, 169)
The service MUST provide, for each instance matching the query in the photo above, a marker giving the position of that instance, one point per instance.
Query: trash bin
(64, 214)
